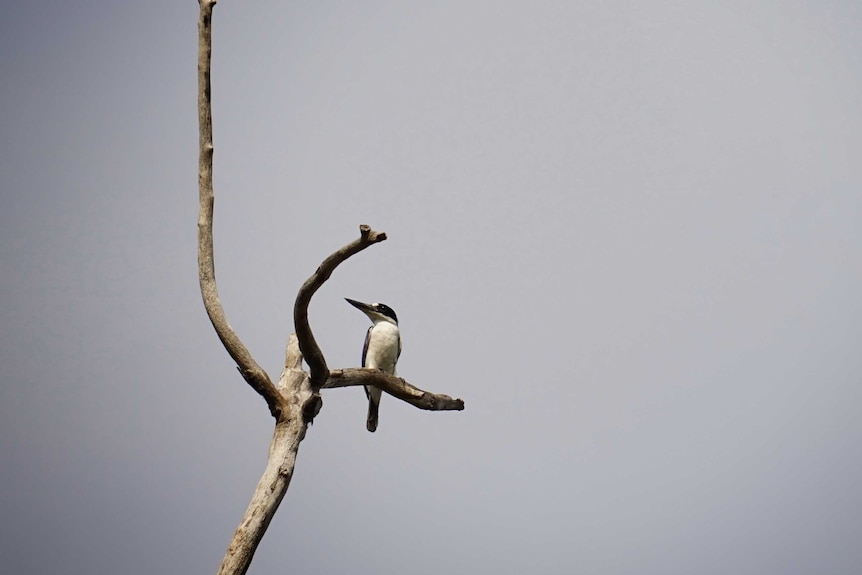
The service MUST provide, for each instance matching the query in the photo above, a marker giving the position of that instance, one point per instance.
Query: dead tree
(294, 400)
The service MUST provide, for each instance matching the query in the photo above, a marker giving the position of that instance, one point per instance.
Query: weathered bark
(294, 400)
(289, 432)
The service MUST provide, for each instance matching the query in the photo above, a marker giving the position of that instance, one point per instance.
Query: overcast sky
(627, 234)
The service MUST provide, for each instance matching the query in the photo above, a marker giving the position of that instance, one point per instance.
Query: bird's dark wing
(399, 349)
(365, 345)
(365, 353)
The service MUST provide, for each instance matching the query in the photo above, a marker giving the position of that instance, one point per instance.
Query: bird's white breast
(383, 345)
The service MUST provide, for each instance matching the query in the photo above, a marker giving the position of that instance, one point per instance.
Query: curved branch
(394, 386)
(307, 344)
(256, 377)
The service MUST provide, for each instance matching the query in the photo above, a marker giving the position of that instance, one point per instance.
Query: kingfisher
(381, 350)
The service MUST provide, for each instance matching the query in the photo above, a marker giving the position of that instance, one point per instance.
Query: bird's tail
(371, 422)
(373, 394)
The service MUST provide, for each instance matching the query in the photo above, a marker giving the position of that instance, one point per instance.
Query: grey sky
(626, 233)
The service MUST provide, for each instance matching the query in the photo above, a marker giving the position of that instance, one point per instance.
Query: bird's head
(376, 312)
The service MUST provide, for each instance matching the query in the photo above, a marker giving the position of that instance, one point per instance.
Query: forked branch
(307, 344)
(296, 400)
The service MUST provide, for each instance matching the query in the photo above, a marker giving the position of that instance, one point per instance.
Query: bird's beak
(363, 307)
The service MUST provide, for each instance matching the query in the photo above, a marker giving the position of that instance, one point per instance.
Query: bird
(381, 350)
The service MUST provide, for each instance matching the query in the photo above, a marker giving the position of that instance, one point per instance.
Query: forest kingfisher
(381, 350)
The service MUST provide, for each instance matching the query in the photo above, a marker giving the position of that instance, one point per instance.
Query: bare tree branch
(264, 503)
(267, 497)
(292, 360)
(256, 377)
(394, 386)
(290, 428)
(295, 399)
(307, 344)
